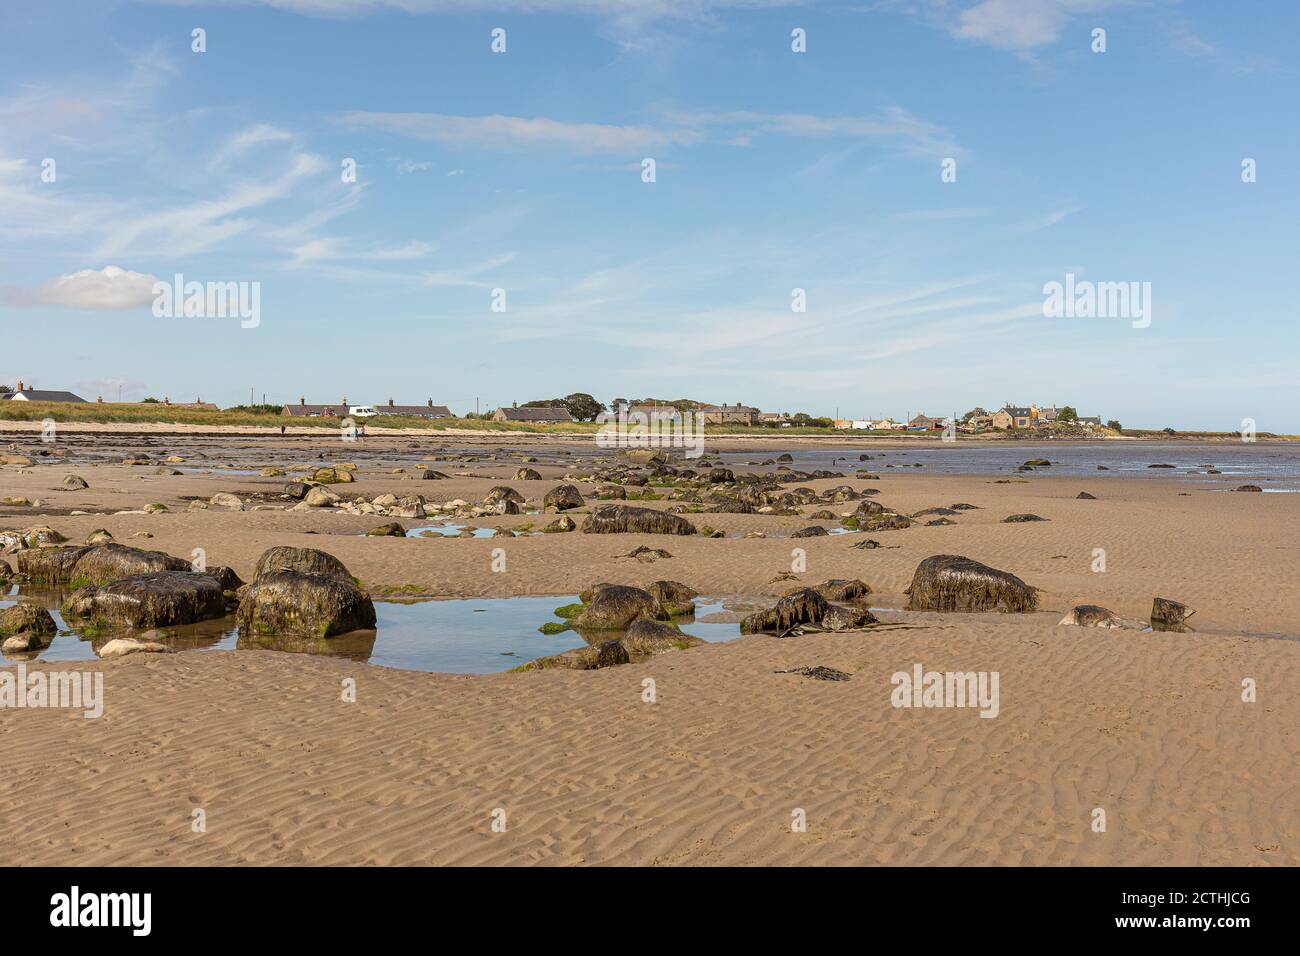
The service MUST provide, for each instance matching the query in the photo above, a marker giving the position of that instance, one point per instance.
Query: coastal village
(580, 407)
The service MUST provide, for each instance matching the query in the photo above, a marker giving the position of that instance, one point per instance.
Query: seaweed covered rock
(391, 530)
(884, 522)
(604, 654)
(626, 519)
(309, 604)
(563, 498)
(812, 531)
(802, 606)
(950, 582)
(157, 599)
(26, 618)
(528, 474)
(1022, 518)
(560, 525)
(645, 638)
(104, 563)
(613, 607)
(49, 565)
(843, 589)
(674, 597)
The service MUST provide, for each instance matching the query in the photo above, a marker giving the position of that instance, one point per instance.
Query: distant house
(729, 414)
(1049, 415)
(23, 394)
(1091, 420)
(887, 425)
(532, 415)
(923, 422)
(303, 410)
(1014, 416)
(427, 410)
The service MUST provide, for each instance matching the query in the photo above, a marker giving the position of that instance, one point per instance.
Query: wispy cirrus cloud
(675, 128)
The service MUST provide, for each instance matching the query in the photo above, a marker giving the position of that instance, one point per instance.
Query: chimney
(100, 399)
(390, 403)
(431, 403)
(345, 400)
(514, 404)
(20, 386)
(302, 399)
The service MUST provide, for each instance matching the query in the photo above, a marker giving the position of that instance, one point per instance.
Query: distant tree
(1169, 431)
(618, 404)
(1114, 425)
(823, 423)
(151, 401)
(582, 406)
(801, 418)
(1067, 414)
(5, 388)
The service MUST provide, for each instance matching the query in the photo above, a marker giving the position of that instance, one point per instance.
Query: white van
(362, 411)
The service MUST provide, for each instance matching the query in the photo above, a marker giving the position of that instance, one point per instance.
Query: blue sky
(775, 171)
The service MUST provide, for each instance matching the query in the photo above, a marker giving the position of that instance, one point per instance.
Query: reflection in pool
(459, 636)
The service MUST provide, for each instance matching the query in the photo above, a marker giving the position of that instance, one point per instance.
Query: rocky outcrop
(26, 618)
(303, 560)
(626, 519)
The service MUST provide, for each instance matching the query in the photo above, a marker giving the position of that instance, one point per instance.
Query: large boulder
(614, 607)
(157, 599)
(304, 603)
(49, 565)
(619, 519)
(803, 606)
(562, 498)
(75, 483)
(528, 474)
(950, 582)
(304, 560)
(223, 499)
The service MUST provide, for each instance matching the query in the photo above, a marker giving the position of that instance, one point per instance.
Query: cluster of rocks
(1166, 615)
(643, 616)
(835, 605)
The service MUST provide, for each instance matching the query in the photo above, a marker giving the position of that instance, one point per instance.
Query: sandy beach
(1149, 727)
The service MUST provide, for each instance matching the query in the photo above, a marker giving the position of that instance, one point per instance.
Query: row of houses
(1005, 418)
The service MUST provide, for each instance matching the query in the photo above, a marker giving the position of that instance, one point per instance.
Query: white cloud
(109, 288)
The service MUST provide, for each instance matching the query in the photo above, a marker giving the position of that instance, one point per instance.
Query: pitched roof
(550, 414)
(415, 411)
(41, 395)
(1017, 411)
